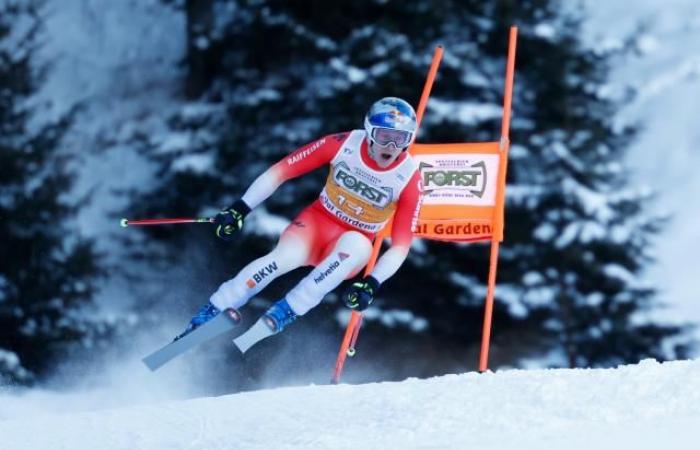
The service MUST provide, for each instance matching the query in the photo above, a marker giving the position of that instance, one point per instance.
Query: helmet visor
(386, 136)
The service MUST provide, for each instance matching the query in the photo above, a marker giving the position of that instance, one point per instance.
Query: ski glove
(361, 293)
(231, 219)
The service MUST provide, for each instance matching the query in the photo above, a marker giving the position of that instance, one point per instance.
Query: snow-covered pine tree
(589, 232)
(284, 72)
(47, 273)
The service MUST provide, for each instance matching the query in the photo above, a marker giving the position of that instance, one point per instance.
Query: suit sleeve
(302, 160)
(402, 230)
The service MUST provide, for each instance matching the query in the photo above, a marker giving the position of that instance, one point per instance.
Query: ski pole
(344, 346)
(355, 334)
(347, 346)
(145, 222)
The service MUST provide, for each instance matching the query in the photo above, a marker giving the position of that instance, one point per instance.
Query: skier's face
(384, 155)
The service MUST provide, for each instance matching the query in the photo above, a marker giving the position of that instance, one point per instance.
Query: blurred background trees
(48, 272)
(262, 78)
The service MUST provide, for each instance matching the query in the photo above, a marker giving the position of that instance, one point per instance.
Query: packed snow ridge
(644, 406)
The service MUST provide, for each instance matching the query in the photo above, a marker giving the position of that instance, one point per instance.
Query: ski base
(226, 321)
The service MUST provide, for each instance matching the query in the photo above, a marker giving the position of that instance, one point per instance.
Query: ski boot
(204, 315)
(279, 315)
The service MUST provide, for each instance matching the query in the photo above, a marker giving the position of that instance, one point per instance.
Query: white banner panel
(458, 178)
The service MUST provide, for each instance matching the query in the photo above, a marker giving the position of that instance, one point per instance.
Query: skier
(372, 177)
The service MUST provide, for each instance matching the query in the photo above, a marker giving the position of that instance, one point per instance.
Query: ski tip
(241, 346)
(259, 331)
(124, 223)
(148, 363)
(235, 344)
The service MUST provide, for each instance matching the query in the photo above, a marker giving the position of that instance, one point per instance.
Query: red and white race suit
(334, 233)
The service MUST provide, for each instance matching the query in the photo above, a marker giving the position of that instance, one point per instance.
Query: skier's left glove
(231, 219)
(361, 293)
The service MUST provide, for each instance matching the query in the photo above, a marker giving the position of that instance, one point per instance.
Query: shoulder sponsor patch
(305, 152)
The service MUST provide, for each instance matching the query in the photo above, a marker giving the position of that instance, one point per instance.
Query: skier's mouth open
(386, 156)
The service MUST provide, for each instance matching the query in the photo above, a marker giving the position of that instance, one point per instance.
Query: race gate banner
(460, 185)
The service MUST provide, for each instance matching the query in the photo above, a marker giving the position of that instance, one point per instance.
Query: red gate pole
(500, 201)
(353, 329)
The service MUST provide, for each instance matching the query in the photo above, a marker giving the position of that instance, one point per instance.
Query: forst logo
(472, 179)
(451, 178)
(344, 178)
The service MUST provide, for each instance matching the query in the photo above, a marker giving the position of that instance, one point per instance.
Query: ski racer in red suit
(371, 178)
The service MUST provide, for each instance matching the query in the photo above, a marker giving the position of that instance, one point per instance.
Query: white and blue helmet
(391, 121)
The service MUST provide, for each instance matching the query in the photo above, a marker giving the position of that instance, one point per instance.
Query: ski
(259, 331)
(226, 321)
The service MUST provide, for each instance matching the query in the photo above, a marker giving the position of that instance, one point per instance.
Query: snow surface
(646, 406)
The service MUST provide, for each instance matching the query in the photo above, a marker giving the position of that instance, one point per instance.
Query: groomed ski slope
(645, 406)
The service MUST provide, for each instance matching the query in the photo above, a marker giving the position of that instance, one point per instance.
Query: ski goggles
(386, 136)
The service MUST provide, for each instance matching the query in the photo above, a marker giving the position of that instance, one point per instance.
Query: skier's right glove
(361, 293)
(231, 219)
